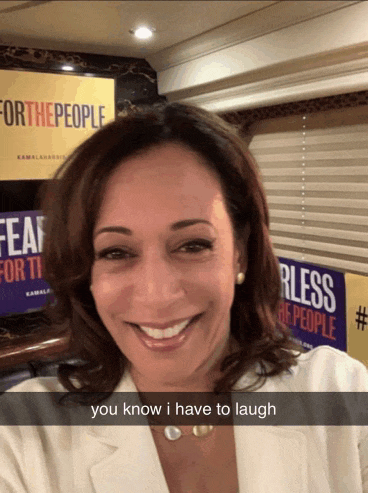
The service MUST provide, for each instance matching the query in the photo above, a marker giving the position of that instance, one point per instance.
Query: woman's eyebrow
(188, 222)
(114, 229)
(174, 227)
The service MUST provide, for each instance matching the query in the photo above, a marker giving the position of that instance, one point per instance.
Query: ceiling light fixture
(67, 67)
(142, 32)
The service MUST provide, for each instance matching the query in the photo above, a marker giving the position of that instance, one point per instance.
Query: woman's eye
(115, 254)
(196, 246)
(192, 247)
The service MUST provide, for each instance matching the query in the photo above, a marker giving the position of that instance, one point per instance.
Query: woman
(157, 250)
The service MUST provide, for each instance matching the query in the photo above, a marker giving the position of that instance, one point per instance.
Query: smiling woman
(158, 252)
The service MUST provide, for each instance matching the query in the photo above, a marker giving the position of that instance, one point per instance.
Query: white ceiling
(221, 55)
(103, 26)
(184, 30)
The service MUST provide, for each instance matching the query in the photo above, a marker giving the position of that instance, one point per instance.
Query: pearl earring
(240, 278)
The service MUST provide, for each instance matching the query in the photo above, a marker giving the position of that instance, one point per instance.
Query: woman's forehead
(164, 170)
(169, 181)
(166, 160)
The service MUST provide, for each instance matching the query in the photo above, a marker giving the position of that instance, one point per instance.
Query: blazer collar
(269, 459)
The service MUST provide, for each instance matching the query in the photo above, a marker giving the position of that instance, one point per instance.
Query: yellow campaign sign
(43, 117)
(357, 316)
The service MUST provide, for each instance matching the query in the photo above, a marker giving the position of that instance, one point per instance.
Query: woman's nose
(157, 283)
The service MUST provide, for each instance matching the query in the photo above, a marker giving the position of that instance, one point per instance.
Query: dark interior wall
(18, 195)
(246, 119)
(136, 81)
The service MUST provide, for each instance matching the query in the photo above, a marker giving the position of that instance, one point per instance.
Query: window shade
(316, 181)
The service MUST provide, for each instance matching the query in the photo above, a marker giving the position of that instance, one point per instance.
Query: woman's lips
(167, 343)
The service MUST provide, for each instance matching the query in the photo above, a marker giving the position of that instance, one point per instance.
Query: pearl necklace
(173, 433)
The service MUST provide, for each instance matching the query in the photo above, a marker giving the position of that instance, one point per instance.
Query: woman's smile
(166, 339)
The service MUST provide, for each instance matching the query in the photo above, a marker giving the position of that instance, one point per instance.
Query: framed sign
(43, 117)
(313, 304)
(22, 288)
(357, 316)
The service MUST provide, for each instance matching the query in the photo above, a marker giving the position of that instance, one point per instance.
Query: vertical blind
(315, 172)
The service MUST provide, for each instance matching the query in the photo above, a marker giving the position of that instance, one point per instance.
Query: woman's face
(165, 267)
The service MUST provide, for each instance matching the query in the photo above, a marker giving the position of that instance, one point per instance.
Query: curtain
(315, 172)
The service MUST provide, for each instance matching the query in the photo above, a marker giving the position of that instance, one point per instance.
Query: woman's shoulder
(322, 369)
(39, 384)
(327, 369)
(329, 359)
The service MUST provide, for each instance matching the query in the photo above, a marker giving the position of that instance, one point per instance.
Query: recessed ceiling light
(67, 67)
(142, 32)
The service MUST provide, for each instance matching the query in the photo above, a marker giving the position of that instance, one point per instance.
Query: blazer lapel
(270, 460)
(134, 466)
(280, 459)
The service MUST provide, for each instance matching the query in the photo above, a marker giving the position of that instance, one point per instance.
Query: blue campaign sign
(313, 304)
(22, 288)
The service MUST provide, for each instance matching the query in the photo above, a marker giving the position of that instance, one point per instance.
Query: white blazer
(123, 459)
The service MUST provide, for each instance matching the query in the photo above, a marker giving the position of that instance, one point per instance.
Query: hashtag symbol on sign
(361, 315)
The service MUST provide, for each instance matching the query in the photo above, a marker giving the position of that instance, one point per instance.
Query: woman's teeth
(165, 333)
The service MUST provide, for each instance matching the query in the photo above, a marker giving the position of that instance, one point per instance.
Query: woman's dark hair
(71, 202)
